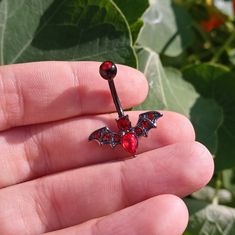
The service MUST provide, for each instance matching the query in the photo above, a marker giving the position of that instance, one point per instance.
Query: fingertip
(174, 214)
(174, 127)
(206, 164)
(202, 166)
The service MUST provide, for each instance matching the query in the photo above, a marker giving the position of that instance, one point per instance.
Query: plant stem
(218, 185)
(223, 48)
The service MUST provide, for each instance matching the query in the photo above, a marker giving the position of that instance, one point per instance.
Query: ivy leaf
(167, 89)
(218, 84)
(168, 28)
(135, 29)
(210, 219)
(206, 116)
(63, 30)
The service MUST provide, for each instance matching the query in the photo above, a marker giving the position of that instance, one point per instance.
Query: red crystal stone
(144, 124)
(97, 135)
(130, 142)
(106, 137)
(108, 70)
(116, 138)
(151, 116)
(138, 130)
(124, 123)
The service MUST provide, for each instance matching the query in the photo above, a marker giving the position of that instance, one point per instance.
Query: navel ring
(127, 135)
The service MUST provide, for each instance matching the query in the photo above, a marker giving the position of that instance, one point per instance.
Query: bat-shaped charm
(127, 135)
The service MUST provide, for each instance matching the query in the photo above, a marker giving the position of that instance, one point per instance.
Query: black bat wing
(105, 136)
(146, 122)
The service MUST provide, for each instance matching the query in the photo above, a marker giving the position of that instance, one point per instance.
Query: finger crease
(49, 215)
(4, 108)
(96, 228)
(20, 114)
(35, 152)
(76, 85)
(124, 184)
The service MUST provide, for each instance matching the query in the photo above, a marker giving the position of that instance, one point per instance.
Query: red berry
(108, 70)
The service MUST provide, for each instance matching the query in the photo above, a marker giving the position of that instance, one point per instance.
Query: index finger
(47, 91)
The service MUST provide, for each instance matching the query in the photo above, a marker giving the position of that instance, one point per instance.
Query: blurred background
(186, 50)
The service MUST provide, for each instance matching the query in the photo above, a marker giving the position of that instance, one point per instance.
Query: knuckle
(12, 99)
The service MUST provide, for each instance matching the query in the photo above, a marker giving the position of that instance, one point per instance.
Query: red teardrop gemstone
(130, 142)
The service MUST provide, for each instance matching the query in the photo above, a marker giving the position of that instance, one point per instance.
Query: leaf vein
(3, 32)
(39, 30)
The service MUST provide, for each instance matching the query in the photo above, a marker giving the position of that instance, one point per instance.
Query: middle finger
(30, 152)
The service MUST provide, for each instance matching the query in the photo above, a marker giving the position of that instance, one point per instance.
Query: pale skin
(53, 181)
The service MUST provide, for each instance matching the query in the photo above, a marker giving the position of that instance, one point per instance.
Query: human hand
(53, 180)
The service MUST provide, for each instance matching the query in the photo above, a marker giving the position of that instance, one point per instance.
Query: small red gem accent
(138, 131)
(106, 137)
(151, 116)
(97, 134)
(144, 124)
(116, 138)
(124, 123)
(130, 142)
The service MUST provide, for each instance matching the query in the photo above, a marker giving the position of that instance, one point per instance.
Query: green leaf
(209, 219)
(231, 55)
(168, 28)
(167, 89)
(206, 194)
(206, 116)
(218, 84)
(133, 10)
(209, 193)
(135, 29)
(187, 233)
(63, 30)
(229, 180)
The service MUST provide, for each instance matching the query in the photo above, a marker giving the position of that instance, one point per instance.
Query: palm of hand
(53, 180)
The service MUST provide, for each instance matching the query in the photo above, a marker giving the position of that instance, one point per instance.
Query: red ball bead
(108, 70)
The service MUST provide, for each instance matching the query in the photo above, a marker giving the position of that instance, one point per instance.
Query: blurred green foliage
(184, 47)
